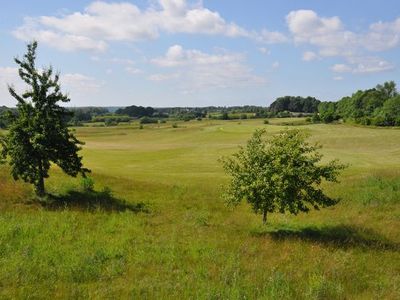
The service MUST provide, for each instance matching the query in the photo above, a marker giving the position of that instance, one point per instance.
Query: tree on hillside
(281, 174)
(38, 134)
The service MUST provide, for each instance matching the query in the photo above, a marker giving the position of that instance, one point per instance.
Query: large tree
(38, 134)
(281, 174)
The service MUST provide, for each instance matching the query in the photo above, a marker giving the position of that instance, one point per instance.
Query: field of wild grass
(156, 226)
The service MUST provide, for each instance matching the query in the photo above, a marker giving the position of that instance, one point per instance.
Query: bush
(266, 122)
(174, 125)
(87, 184)
(148, 120)
(110, 122)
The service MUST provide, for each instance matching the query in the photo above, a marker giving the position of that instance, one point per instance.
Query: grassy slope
(189, 244)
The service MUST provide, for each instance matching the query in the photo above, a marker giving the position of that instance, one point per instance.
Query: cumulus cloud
(326, 33)
(329, 36)
(102, 22)
(383, 36)
(337, 78)
(196, 70)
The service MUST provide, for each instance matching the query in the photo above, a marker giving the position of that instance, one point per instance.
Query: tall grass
(164, 231)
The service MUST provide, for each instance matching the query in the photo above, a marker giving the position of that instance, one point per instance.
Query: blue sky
(200, 53)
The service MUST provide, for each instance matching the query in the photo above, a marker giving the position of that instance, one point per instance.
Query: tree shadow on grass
(339, 236)
(91, 201)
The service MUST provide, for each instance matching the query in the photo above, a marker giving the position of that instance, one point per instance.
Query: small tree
(279, 174)
(38, 134)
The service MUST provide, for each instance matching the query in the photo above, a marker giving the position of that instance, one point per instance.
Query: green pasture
(165, 233)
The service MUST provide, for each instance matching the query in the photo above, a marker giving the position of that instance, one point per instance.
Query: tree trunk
(39, 186)
(265, 217)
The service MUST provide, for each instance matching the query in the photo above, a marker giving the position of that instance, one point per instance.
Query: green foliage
(111, 118)
(136, 111)
(87, 184)
(38, 135)
(224, 116)
(148, 120)
(294, 104)
(379, 106)
(279, 174)
(327, 112)
(190, 246)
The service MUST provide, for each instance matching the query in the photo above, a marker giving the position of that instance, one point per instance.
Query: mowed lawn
(177, 239)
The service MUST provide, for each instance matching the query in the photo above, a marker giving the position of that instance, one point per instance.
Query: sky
(198, 53)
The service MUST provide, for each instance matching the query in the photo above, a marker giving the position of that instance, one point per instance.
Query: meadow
(157, 226)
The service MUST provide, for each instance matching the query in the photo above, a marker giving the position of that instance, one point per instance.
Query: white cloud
(337, 78)
(177, 56)
(370, 65)
(102, 22)
(326, 33)
(332, 39)
(341, 68)
(270, 37)
(363, 65)
(383, 36)
(309, 56)
(79, 85)
(76, 84)
(59, 40)
(196, 70)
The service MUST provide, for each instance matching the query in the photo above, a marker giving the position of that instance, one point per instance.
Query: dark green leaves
(38, 134)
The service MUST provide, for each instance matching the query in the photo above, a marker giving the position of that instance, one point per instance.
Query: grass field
(174, 238)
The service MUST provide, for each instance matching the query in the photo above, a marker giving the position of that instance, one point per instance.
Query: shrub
(87, 184)
(148, 120)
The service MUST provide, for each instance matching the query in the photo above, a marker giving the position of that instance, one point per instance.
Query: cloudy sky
(199, 53)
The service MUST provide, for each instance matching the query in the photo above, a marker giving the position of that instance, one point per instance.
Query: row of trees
(378, 106)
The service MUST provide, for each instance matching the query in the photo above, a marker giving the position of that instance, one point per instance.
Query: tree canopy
(136, 111)
(38, 134)
(377, 106)
(279, 174)
(295, 104)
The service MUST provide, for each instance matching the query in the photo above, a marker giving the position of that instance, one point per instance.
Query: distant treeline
(379, 106)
